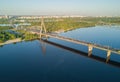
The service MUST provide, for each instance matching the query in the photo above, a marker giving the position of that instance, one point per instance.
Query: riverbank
(11, 41)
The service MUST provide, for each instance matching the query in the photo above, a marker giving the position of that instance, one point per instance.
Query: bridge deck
(106, 48)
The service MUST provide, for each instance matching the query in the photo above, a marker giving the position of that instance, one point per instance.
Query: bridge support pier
(108, 55)
(42, 28)
(90, 48)
(40, 32)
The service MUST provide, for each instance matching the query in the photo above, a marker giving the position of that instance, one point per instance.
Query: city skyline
(60, 7)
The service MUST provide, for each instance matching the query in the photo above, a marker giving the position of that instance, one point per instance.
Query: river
(37, 61)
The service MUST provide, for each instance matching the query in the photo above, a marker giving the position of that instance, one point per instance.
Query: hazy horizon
(60, 7)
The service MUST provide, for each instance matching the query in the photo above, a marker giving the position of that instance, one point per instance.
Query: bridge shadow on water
(96, 58)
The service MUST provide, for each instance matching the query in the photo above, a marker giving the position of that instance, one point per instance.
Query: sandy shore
(11, 41)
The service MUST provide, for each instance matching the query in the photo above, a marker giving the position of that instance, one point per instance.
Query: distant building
(5, 16)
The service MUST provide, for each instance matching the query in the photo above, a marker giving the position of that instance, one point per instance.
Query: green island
(52, 25)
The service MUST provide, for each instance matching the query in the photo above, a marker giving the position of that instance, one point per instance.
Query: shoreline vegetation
(9, 34)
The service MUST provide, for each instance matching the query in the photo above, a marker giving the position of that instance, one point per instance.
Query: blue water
(36, 61)
(102, 35)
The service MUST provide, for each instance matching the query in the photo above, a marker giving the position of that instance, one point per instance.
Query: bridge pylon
(42, 28)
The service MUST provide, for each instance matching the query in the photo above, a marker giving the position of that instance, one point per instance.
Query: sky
(60, 7)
